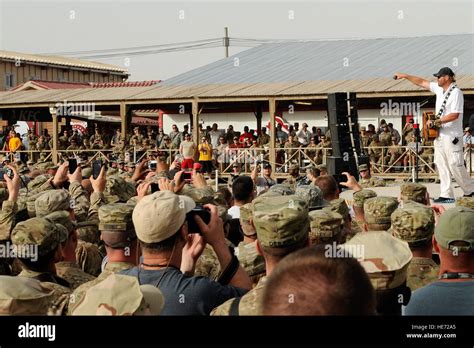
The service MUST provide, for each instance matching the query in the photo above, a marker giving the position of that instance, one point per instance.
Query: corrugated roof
(64, 61)
(324, 60)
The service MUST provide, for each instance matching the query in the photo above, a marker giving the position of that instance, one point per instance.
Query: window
(9, 80)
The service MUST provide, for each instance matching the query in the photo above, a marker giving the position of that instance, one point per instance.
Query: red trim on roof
(68, 85)
(124, 84)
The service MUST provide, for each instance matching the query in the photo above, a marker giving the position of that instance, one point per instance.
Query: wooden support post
(54, 154)
(195, 112)
(258, 115)
(123, 119)
(271, 111)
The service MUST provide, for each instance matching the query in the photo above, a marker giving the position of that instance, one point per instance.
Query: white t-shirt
(455, 103)
(234, 211)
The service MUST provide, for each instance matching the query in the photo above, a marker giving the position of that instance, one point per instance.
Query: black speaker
(338, 164)
(471, 123)
(343, 122)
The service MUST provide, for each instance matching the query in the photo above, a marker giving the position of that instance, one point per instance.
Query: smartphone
(154, 187)
(200, 211)
(187, 175)
(72, 165)
(152, 166)
(6, 171)
(96, 168)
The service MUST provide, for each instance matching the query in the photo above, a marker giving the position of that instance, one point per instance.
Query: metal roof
(62, 61)
(366, 59)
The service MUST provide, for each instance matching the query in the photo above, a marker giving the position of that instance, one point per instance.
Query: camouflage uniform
(107, 298)
(72, 273)
(326, 144)
(378, 210)
(427, 155)
(414, 192)
(326, 227)
(45, 236)
(370, 182)
(365, 140)
(467, 202)
(292, 181)
(385, 138)
(118, 232)
(279, 222)
(375, 152)
(89, 257)
(414, 223)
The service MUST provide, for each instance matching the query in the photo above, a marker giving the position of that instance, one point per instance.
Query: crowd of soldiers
(83, 244)
(220, 149)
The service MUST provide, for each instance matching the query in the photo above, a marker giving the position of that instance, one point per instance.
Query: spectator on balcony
(263, 138)
(205, 155)
(175, 136)
(246, 135)
(304, 135)
(187, 150)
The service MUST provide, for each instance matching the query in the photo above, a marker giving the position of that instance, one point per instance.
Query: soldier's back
(421, 271)
(73, 274)
(249, 304)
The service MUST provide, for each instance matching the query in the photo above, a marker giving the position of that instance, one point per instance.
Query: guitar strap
(443, 106)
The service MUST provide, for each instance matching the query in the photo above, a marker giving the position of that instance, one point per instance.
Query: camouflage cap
(281, 189)
(378, 210)
(325, 226)
(467, 202)
(338, 206)
(202, 195)
(111, 172)
(63, 233)
(281, 221)
(413, 222)
(23, 296)
(37, 182)
(51, 201)
(313, 195)
(115, 222)
(40, 232)
(456, 225)
(118, 190)
(62, 217)
(88, 231)
(361, 196)
(413, 191)
(363, 167)
(322, 167)
(120, 295)
(384, 258)
(86, 172)
(363, 128)
(116, 217)
(23, 169)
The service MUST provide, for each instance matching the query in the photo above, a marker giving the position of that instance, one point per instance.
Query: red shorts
(187, 163)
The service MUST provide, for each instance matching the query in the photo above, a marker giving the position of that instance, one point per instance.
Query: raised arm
(413, 79)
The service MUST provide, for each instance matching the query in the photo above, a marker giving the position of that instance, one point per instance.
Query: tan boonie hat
(413, 191)
(384, 258)
(467, 202)
(160, 215)
(378, 210)
(325, 226)
(281, 221)
(121, 295)
(39, 233)
(361, 196)
(23, 296)
(456, 225)
(413, 222)
(51, 201)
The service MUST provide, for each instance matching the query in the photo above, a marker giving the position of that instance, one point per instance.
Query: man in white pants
(448, 156)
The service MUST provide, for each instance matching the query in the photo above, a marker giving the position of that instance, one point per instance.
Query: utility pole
(226, 41)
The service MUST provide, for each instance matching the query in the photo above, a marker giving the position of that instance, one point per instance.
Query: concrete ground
(394, 191)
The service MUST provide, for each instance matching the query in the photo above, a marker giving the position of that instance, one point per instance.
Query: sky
(67, 25)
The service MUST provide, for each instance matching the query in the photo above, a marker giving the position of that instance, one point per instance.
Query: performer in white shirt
(448, 155)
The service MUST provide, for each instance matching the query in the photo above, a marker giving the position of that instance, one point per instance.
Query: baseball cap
(159, 216)
(413, 191)
(444, 71)
(456, 224)
(363, 167)
(267, 165)
(413, 222)
(378, 210)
